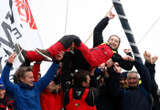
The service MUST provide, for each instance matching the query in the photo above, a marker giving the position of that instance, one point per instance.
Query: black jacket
(156, 101)
(137, 98)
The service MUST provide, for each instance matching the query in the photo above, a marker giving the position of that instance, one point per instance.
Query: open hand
(110, 15)
(147, 56)
(154, 59)
(60, 55)
(12, 57)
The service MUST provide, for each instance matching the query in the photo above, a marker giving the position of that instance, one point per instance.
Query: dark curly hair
(80, 77)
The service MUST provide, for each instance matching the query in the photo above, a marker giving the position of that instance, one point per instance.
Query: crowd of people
(80, 78)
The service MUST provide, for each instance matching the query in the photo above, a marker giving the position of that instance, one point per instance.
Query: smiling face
(114, 42)
(132, 79)
(28, 78)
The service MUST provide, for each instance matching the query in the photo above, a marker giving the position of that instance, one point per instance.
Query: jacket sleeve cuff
(9, 64)
(116, 57)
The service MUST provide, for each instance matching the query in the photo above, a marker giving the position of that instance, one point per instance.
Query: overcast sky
(83, 15)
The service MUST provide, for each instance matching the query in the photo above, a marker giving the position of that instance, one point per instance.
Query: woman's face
(114, 42)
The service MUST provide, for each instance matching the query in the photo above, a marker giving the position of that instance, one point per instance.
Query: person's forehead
(132, 74)
(29, 73)
(114, 37)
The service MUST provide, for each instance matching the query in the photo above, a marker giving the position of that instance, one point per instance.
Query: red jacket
(36, 70)
(94, 56)
(50, 101)
(75, 104)
(101, 53)
(7, 103)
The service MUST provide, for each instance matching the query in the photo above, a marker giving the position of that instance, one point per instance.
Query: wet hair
(21, 73)
(117, 37)
(79, 77)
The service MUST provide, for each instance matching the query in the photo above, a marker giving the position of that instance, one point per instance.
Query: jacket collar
(25, 86)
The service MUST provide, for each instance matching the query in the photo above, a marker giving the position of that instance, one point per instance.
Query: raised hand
(128, 58)
(126, 51)
(147, 56)
(12, 57)
(110, 15)
(102, 66)
(60, 55)
(109, 63)
(154, 59)
(117, 68)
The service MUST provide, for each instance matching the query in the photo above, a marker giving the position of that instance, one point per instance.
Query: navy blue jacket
(137, 98)
(156, 101)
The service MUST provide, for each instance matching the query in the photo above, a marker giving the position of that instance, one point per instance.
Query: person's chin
(113, 47)
(132, 85)
(1, 97)
(31, 85)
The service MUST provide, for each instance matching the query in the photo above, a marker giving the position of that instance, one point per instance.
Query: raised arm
(6, 72)
(150, 64)
(45, 80)
(145, 76)
(98, 30)
(125, 62)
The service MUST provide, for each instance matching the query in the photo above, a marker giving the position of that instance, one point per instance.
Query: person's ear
(21, 79)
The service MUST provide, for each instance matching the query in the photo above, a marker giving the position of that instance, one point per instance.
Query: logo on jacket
(77, 104)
